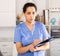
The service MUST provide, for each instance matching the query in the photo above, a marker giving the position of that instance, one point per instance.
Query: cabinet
(7, 13)
(54, 24)
(54, 18)
(6, 41)
(6, 48)
(55, 47)
(7, 25)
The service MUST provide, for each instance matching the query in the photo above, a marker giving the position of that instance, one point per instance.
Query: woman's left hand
(36, 42)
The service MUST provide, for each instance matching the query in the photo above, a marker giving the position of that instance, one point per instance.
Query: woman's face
(30, 14)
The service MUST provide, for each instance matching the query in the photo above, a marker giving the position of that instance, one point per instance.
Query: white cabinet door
(6, 48)
(55, 47)
(7, 13)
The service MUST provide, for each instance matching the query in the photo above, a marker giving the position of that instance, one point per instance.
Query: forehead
(30, 9)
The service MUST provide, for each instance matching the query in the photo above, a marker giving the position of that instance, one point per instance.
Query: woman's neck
(29, 23)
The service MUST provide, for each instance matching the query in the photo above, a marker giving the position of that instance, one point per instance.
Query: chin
(31, 22)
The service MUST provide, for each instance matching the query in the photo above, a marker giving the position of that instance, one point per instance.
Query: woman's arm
(44, 47)
(21, 49)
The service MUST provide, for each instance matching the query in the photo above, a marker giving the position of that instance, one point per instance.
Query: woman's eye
(33, 12)
(28, 13)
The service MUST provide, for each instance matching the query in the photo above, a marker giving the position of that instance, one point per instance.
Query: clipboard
(45, 41)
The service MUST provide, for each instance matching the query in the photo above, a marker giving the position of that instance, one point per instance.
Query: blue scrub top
(26, 37)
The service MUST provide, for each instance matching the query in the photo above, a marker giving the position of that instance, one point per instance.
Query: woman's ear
(24, 14)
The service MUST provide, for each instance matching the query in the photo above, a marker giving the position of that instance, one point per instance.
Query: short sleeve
(17, 35)
(45, 33)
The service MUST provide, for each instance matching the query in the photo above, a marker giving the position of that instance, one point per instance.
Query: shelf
(54, 25)
(6, 39)
(7, 26)
(54, 10)
(47, 25)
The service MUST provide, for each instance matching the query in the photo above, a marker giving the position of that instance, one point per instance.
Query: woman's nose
(32, 15)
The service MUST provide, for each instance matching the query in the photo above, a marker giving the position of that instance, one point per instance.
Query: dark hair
(29, 5)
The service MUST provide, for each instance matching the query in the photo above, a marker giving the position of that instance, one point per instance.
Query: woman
(29, 33)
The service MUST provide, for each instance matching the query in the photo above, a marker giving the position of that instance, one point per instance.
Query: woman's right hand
(31, 48)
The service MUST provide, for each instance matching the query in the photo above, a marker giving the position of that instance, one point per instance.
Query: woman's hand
(36, 42)
(32, 49)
